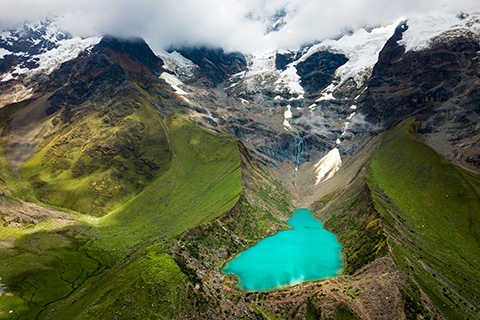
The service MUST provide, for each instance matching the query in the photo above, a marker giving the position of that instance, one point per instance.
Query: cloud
(233, 24)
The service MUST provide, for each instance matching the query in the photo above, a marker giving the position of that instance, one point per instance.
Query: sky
(230, 24)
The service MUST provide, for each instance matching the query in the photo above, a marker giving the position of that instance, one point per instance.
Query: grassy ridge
(431, 209)
(203, 182)
(44, 265)
(101, 155)
(356, 223)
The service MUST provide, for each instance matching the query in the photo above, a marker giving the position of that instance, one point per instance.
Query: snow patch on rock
(49, 61)
(183, 68)
(48, 29)
(260, 62)
(289, 80)
(173, 81)
(325, 97)
(422, 30)
(6, 77)
(261, 73)
(361, 48)
(4, 52)
(326, 167)
(327, 93)
(260, 70)
(67, 50)
(287, 115)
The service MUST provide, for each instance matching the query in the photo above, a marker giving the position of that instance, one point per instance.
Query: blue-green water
(304, 253)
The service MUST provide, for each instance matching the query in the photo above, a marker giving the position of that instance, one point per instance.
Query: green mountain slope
(431, 211)
(146, 284)
(202, 183)
(155, 279)
(46, 263)
(411, 204)
(101, 154)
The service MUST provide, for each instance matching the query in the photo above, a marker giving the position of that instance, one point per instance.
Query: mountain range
(129, 177)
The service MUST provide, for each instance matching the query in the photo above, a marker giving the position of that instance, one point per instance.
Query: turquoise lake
(304, 253)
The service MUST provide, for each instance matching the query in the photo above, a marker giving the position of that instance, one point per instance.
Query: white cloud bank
(231, 24)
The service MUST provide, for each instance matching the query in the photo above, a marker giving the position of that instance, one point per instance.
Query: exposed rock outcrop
(440, 86)
(216, 65)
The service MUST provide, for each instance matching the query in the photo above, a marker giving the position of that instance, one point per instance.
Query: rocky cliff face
(105, 71)
(440, 86)
(215, 65)
(318, 70)
(294, 107)
(255, 104)
(417, 82)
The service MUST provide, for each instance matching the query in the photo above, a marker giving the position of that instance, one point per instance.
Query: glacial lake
(304, 253)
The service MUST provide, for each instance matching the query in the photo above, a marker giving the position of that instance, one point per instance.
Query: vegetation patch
(146, 284)
(8, 177)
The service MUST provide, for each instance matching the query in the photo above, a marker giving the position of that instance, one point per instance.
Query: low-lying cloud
(233, 24)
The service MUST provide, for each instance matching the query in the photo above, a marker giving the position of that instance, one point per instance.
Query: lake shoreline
(289, 257)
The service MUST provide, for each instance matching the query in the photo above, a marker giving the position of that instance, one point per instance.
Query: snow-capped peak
(37, 37)
(44, 31)
(361, 48)
(42, 47)
(423, 30)
(50, 60)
